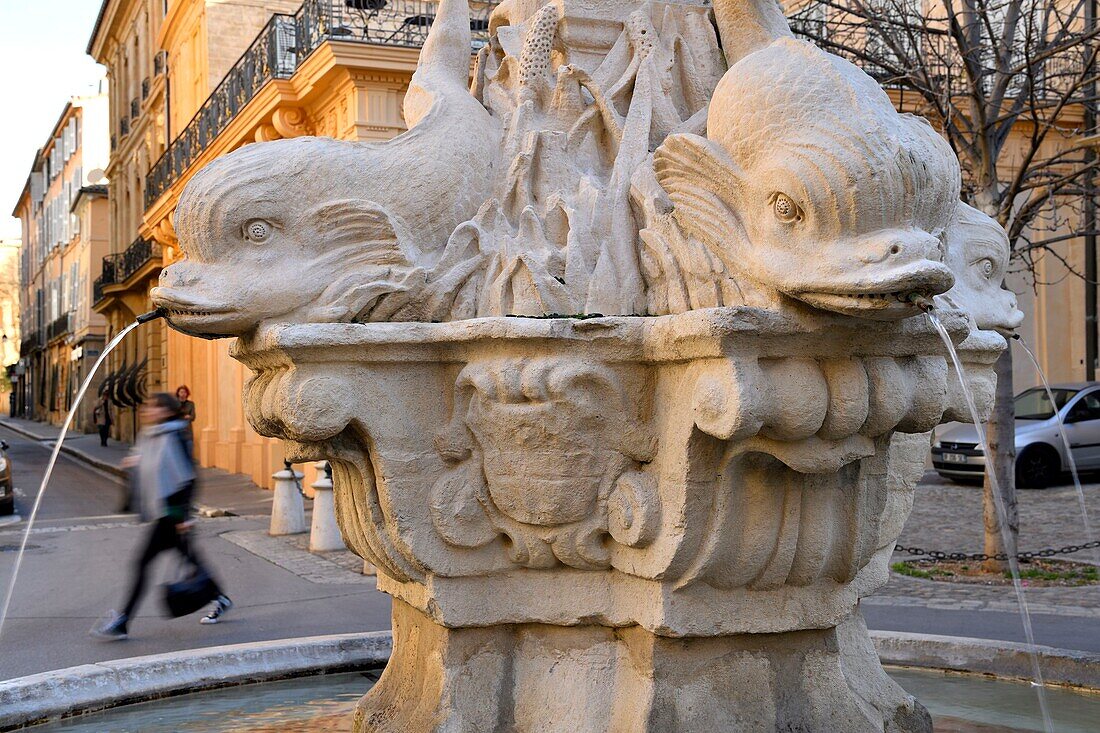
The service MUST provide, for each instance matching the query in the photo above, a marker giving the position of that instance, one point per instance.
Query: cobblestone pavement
(292, 553)
(948, 517)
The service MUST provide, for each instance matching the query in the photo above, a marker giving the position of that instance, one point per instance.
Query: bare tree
(1012, 86)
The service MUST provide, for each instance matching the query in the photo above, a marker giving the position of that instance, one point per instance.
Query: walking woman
(164, 474)
(101, 415)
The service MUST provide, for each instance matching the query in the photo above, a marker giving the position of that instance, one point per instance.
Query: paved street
(81, 548)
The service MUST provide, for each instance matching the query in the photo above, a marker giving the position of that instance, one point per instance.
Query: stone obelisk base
(537, 677)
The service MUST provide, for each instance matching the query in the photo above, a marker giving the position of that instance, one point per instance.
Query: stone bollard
(288, 513)
(324, 533)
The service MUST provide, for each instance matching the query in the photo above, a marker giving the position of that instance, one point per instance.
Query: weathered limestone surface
(657, 519)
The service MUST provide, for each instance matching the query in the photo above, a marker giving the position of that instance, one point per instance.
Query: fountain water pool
(323, 704)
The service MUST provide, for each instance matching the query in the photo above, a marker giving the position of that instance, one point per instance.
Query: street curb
(80, 455)
(89, 687)
(983, 656)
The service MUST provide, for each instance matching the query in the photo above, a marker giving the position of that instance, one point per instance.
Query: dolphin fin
(697, 175)
(365, 224)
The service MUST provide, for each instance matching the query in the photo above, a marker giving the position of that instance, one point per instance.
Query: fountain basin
(675, 501)
(157, 692)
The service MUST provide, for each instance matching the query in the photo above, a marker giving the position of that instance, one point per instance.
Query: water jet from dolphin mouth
(1002, 516)
(144, 318)
(1089, 535)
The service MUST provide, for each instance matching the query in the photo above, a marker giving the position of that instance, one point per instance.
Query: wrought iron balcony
(118, 268)
(30, 343)
(140, 252)
(281, 47)
(59, 327)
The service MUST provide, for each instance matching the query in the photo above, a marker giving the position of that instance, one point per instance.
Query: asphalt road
(76, 491)
(77, 569)
(1062, 632)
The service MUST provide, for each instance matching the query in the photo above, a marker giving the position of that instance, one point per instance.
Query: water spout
(1002, 515)
(920, 300)
(56, 450)
(152, 315)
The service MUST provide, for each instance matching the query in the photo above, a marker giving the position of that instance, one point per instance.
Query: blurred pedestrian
(101, 416)
(163, 475)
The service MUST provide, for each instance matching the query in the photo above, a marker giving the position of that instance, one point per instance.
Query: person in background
(187, 411)
(164, 477)
(101, 415)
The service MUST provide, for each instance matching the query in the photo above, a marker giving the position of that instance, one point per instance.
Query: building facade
(63, 210)
(193, 81)
(162, 58)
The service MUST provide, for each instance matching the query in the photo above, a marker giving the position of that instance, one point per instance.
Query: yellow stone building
(63, 210)
(229, 74)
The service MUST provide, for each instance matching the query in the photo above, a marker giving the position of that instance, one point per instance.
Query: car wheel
(1036, 468)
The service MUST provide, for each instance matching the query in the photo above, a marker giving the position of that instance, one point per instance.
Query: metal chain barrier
(940, 556)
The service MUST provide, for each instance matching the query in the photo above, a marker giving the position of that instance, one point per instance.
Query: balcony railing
(59, 327)
(280, 48)
(29, 344)
(271, 56)
(118, 268)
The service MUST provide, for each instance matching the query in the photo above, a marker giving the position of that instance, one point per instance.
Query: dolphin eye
(986, 267)
(786, 210)
(257, 230)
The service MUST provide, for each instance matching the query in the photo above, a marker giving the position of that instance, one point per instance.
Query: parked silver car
(1040, 453)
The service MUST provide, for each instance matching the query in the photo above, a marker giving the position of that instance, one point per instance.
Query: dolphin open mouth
(891, 305)
(178, 307)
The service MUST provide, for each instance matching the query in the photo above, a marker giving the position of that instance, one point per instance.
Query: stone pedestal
(324, 533)
(288, 513)
(644, 524)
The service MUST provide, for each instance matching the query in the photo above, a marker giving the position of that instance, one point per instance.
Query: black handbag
(191, 592)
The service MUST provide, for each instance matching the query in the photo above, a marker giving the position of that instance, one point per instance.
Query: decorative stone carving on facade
(667, 521)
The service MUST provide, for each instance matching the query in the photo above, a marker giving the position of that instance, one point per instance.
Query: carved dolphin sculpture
(318, 230)
(978, 252)
(809, 181)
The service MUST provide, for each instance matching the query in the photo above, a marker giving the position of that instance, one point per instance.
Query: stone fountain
(617, 358)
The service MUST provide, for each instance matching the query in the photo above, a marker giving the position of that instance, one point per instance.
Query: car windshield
(1034, 404)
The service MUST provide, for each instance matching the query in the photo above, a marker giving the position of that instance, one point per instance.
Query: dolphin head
(810, 182)
(278, 230)
(978, 252)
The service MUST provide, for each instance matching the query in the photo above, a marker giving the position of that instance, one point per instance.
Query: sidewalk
(220, 491)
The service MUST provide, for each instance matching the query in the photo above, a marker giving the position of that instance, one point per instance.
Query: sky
(43, 62)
